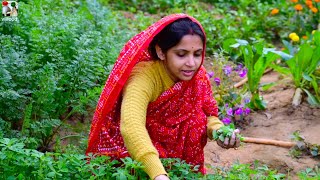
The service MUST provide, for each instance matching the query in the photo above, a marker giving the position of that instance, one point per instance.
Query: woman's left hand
(230, 142)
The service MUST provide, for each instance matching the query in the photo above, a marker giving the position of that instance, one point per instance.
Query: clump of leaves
(303, 148)
(223, 132)
(255, 170)
(310, 173)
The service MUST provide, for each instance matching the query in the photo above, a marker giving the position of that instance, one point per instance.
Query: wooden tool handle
(286, 144)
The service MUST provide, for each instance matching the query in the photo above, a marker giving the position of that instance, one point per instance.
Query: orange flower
(317, 0)
(309, 3)
(314, 10)
(295, 1)
(298, 7)
(305, 37)
(274, 11)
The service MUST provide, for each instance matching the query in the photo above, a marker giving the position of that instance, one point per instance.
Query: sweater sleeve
(213, 124)
(136, 97)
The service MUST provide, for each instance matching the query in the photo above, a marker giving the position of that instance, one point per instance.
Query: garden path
(278, 122)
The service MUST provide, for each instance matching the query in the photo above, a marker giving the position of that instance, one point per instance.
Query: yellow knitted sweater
(146, 82)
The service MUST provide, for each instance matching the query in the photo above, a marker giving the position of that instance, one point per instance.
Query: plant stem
(69, 136)
(296, 101)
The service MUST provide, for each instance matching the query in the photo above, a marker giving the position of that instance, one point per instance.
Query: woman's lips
(188, 73)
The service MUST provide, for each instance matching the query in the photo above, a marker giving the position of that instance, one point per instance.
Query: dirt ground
(277, 122)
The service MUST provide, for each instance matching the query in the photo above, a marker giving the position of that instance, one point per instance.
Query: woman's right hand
(230, 142)
(162, 177)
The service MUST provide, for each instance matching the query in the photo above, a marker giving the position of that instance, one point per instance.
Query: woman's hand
(230, 142)
(162, 177)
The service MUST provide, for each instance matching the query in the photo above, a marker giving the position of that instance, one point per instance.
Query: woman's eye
(181, 55)
(197, 54)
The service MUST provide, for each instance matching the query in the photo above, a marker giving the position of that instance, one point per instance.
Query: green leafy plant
(310, 173)
(255, 170)
(223, 132)
(256, 58)
(54, 63)
(18, 162)
(303, 148)
(302, 65)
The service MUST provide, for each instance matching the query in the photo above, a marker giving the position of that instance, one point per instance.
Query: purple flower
(247, 111)
(246, 100)
(226, 120)
(239, 111)
(210, 74)
(229, 112)
(239, 67)
(243, 72)
(217, 80)
(227, 70)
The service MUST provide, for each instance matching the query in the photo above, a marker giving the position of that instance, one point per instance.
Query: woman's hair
(171, 35)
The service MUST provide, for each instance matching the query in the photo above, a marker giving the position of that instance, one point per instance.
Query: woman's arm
(136, 97)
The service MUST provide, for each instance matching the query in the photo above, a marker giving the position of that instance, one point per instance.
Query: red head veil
(176, 121)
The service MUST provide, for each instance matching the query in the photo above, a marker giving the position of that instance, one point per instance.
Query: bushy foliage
(18, 162)
(55, 60)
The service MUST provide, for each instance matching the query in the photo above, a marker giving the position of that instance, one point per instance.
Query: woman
(157, 102)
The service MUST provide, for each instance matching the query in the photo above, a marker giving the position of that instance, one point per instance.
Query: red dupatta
(176, 121)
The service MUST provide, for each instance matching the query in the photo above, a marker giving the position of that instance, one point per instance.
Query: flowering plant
(305, 15)
(257, 58)
(232, 102)
(303, 61)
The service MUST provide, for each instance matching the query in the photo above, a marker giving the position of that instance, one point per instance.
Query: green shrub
(18, 162)
(56, 59)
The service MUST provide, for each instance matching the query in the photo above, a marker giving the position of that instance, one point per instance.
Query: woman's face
(183, 60)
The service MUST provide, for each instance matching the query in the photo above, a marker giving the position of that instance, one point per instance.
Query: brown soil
(277, 122)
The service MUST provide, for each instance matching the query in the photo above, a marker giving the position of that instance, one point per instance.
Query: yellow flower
(295, 38)
(314, 31)
(314, 10)
(298, 7)
(274, 11)
(292, 34)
